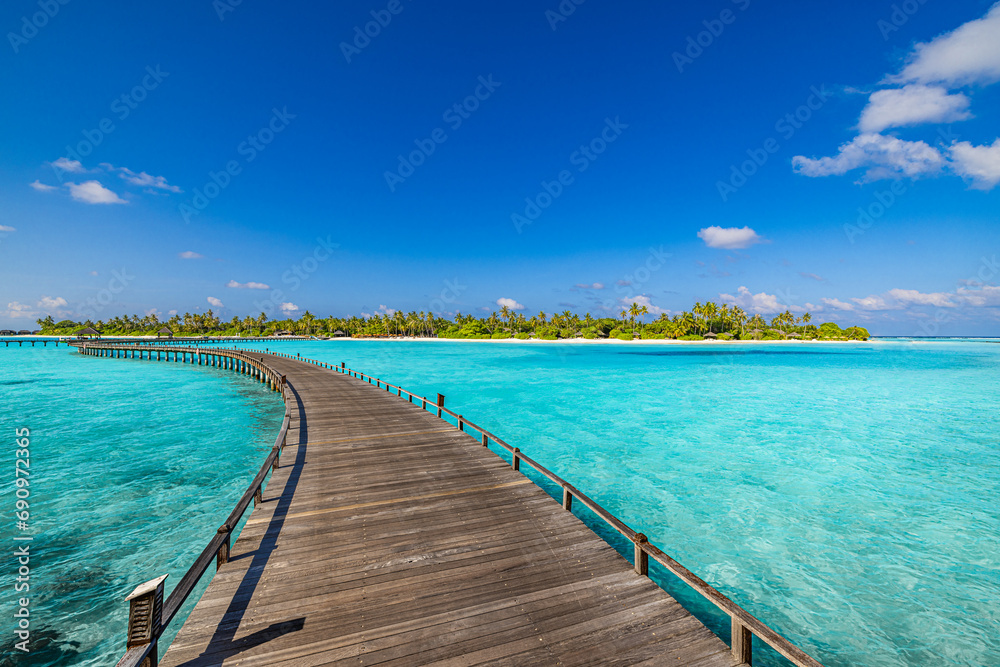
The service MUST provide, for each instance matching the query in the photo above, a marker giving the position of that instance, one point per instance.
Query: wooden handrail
(744, 624)
(217, 549)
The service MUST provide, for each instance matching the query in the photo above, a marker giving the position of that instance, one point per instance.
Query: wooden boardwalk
(389, 537)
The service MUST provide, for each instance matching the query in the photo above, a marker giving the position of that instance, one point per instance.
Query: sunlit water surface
(847, 495)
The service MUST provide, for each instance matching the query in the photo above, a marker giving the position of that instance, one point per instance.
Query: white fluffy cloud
(49, 302)
(911, 296)
(92, 192)
(5, 228)
(978, 164)
(883, 156)
(913, 104)
(17, 310)
(969, 54)
(249, 285)
(642, 300)
(592, 286)
(873, 302)
(838, 304)
(41, 187)
(212, 301)
(755, 303)
(288, 308)
(984, 296)
(190, 254)
(510, 303)
(920, 94)
(729, 238)
(902, 299)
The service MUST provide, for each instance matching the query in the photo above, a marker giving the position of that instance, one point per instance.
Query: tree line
(703, 320)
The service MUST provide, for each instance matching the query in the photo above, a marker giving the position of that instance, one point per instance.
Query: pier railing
(149, 615)
(744, 625)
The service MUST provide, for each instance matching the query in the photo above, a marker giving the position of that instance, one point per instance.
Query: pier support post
(742, 644)
(641, 557)
(145, 615)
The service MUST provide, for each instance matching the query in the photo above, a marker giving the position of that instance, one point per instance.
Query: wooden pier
(387, 535)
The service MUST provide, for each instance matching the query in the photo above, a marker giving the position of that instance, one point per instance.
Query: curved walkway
(389, 537)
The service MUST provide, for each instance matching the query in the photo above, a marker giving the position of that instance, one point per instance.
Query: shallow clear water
(847, 495)
(133, 467)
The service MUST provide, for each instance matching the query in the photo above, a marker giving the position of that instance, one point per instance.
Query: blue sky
(271, 156)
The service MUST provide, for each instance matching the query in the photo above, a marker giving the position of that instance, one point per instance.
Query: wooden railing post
(461, 423)
(516, 462)
(567, 498)
(742, 644)
(258, 496)
(641, 557)
(145, 615)
(223, 556)
(486, 441)
(440, 403)
(277, 453)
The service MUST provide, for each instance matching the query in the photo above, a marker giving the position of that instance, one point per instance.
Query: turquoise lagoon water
(133, 467)
(848, 495)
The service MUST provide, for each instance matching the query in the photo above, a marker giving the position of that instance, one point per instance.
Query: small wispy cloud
(190, 254)
(71, 166)
(42, 187)
(249, 285)
(591, 286)
(5, 228)
(812, 276)
(145, 180)
(215, 302)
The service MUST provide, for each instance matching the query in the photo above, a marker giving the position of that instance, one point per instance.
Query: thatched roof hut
(339, 334)
(164, 331)
(709, 335)
(88, 331)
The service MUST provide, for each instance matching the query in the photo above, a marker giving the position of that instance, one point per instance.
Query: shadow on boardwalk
(223, 644)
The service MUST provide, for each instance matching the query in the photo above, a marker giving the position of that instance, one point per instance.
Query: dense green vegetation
(708, 320)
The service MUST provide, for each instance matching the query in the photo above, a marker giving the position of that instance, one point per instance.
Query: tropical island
(705, 321)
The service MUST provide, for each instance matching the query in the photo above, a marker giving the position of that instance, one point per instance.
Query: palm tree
(505, 315)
